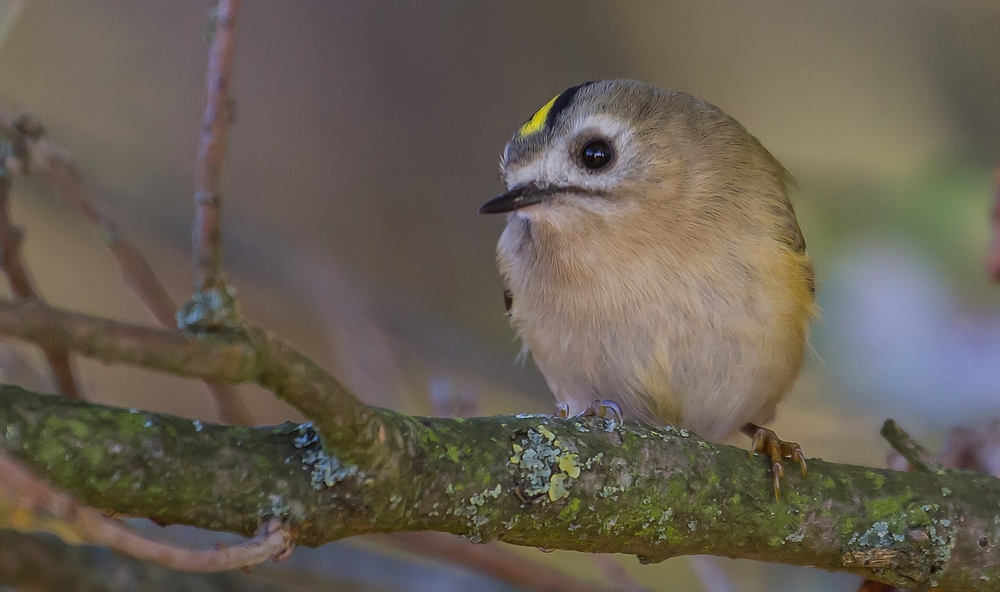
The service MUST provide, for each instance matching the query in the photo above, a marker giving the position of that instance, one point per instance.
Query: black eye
(596, 154)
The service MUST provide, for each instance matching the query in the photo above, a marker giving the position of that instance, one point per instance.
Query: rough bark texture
(586, 485)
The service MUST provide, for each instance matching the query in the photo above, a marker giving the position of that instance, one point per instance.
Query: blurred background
(367, 135)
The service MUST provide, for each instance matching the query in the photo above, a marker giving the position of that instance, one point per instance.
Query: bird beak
(517, 198)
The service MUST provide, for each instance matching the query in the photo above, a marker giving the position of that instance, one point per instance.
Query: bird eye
(596, 155)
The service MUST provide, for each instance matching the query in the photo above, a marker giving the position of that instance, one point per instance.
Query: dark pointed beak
(517, 198)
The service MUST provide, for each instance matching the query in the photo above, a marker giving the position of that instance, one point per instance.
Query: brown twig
(212, 308)
(22, 287)
(32, 506)
(229, 358)
(920, 458)
(55, 165)
(212, 150)
(491, 560)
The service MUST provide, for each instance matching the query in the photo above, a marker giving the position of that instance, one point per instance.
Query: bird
(653, 265)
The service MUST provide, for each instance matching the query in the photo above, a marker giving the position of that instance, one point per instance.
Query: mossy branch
(585, 485)
(249, 356)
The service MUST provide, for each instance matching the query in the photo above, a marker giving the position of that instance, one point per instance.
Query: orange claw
(767, 442)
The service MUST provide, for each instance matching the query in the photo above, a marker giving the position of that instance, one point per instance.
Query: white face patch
(560, 164)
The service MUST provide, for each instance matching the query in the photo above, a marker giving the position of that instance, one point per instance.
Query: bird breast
(676, 331)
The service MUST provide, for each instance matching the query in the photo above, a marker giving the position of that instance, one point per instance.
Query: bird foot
(600, 408)
(767, 442)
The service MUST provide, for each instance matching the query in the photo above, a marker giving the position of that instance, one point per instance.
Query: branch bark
(585, 485)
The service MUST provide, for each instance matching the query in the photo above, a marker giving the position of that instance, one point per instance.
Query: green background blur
(367, 134)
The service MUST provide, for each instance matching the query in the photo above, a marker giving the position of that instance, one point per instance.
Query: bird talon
(801, 458)
(758, 442)
(562, 411)
(601, 408)
(765, 441)
(615, 409)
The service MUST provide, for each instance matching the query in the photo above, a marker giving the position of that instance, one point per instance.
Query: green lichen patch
(546, 465)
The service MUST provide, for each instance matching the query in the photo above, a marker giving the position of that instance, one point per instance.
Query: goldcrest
(653, 263)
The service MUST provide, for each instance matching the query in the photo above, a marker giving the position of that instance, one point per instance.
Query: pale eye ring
(596, 154)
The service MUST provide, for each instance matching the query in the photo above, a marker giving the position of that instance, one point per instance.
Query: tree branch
(250, 357)
(27, 504)
(212, 148)
(212, 307)
(32, 562)
(585, 485)
(37, 154)
(23, 288)
(916, 455)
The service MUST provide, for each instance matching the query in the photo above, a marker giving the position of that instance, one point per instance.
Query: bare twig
(212, 149)
(22, 287)
(55, 165)
(229, 358)
(31, 505)
(919, 457)
(212, 306)
(491, 560)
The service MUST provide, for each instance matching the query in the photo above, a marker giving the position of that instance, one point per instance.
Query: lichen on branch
(586, 485)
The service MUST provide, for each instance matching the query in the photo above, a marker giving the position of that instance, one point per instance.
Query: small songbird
(653, 264)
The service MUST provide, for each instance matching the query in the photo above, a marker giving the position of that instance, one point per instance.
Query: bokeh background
(368, 133)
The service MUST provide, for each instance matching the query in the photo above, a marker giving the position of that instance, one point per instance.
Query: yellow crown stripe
(537, 121)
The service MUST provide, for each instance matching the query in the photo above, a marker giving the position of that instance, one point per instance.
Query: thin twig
(212, 308)
(229, 358)
(491, 560)
(55, 165)
(23, 288)
(920, 458)
(212, 150)
(33, 505)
